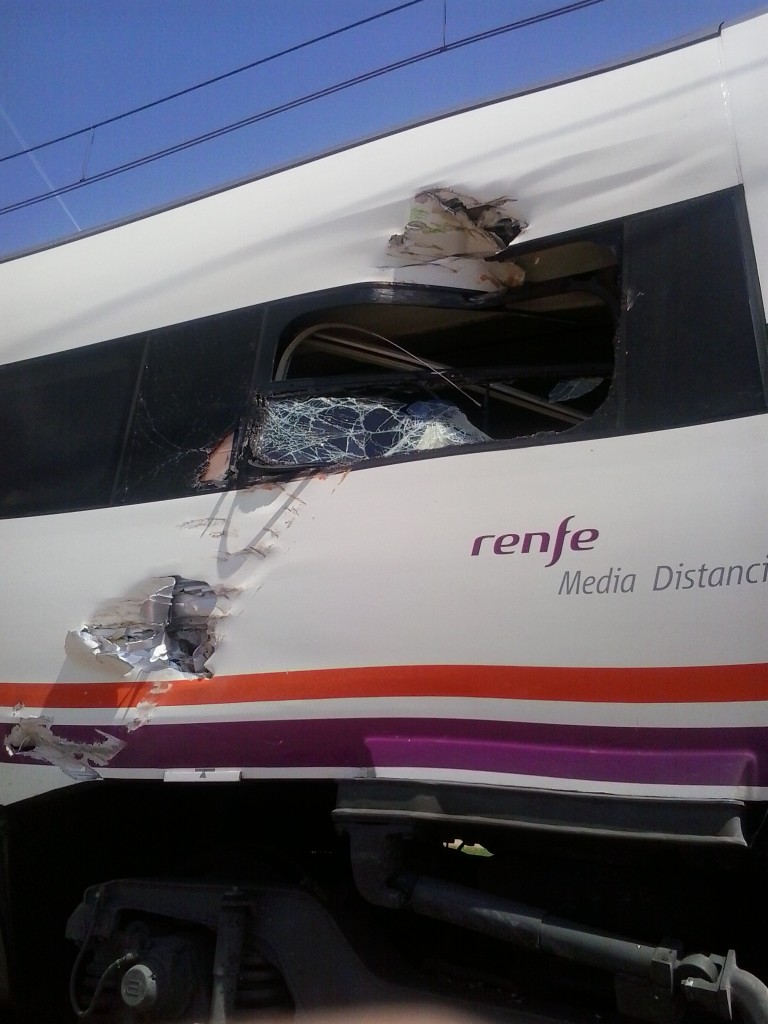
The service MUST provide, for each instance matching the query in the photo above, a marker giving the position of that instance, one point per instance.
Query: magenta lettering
(543, 544)
(583, 540)
(479, 542)
(505, 543)
(538, 542)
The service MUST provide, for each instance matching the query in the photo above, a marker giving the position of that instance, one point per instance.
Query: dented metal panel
(457, 233)
(296, 652)
(635, 138)
(578, 617)
(166, 629)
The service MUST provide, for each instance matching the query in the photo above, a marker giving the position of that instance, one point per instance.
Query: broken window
(192, 394)
(426, 368)
(135, 419)
(647, 323)
(341, 430)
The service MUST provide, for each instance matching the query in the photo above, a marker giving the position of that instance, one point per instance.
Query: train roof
(648, 132)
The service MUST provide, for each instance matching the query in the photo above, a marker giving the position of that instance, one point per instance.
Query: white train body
(582, 613)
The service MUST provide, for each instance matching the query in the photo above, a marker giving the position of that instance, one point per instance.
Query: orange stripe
(707, 683)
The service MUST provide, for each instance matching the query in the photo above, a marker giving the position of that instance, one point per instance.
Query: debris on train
(446, 226)
(444, 222)
(164, 627)
(339, 431)
(146, 706)
(33, 737)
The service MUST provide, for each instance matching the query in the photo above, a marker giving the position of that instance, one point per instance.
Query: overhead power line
(211, 81)
(300, 101)
(37, 165)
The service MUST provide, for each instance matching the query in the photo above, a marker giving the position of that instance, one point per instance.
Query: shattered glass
(340, 431)
(193, 391)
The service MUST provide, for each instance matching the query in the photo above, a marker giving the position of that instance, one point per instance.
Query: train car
(405, 503)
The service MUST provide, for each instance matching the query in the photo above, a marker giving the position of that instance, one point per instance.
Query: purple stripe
(728, 757)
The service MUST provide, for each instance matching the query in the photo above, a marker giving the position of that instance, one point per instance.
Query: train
(386, 574)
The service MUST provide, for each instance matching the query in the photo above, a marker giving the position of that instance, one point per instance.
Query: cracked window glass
(193, 390)
(342, 431)
(438, 369)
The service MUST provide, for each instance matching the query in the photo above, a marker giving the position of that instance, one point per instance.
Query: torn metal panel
(164, 632)
(338, 431)
(444, 222)
(190, 642)
(33, 738)
(459, 238)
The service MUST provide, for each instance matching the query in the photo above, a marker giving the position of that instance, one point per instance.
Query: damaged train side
(413, 496)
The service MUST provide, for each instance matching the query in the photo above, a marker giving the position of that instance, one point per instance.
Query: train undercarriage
(129, 902)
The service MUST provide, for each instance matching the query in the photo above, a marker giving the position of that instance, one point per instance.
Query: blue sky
(68, 64)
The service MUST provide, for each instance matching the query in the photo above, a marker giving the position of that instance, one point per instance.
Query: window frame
(673, 321)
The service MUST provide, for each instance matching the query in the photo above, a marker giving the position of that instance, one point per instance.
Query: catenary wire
(367, 76)
(210, 81)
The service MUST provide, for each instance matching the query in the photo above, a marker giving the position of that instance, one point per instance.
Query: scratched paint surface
(349, 600)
